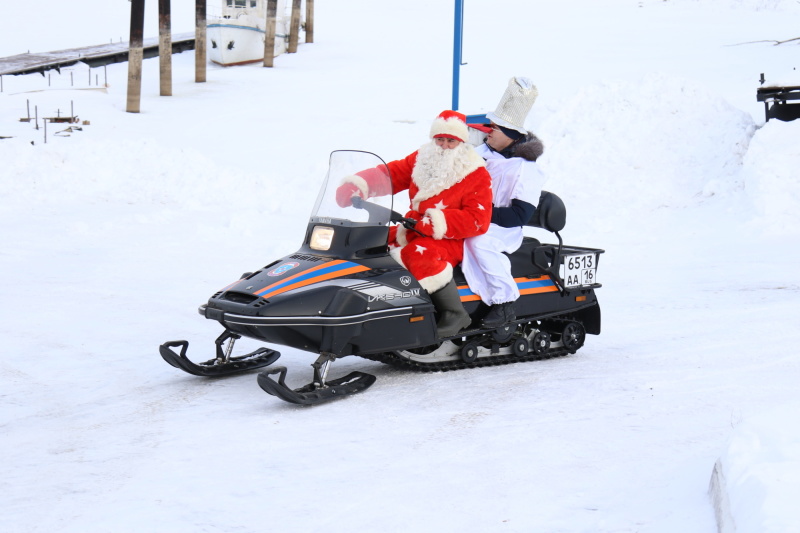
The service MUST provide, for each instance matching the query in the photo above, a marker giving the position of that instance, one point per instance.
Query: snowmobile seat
(550, 214)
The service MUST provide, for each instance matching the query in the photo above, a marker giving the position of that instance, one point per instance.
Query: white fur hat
(517, 101)
(450, 124)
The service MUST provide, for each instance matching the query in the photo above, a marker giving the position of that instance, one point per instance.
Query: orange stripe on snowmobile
(535, 285)
(525, 285)
(314, 279)
(301, 273)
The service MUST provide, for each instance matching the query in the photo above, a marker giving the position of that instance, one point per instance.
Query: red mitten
(345, 193)
(425, 226)
(416, 215)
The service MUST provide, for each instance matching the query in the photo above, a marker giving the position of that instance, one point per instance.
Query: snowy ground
(113, 235)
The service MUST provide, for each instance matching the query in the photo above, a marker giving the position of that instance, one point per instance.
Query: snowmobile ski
(224, 364)
(319, 390)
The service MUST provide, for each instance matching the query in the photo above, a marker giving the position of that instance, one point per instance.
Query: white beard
(438, 169)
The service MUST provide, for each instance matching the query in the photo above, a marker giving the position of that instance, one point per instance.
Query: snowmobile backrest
(550, 214)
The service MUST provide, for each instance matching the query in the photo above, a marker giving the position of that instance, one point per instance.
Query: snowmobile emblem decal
(387, 296)
(283, 269)
(405, 280)
(315, 274)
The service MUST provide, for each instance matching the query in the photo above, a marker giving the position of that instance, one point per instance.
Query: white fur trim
(451, 126)
(437, 281)
(394, 251)
(359, 182)
(438, 221)
(436, 169)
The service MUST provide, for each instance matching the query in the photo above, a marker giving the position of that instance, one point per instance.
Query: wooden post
(135, 56)
(294, 27)
(309, 21)
(200, 41)
(269, 37)
(165, 47)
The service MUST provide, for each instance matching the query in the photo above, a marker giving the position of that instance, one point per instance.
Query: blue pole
(458, 38)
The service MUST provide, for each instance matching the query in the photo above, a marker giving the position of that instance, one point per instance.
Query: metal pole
(458, 39)
(135, 57)
(269, 38)
(165, 46)
(200, 41)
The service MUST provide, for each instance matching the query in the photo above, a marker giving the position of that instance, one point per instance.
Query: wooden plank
(94, 56)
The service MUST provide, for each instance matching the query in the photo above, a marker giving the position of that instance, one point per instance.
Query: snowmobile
(342, 294)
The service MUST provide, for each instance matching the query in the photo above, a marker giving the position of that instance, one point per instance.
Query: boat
(236, 31)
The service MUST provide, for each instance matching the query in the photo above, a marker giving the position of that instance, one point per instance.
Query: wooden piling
(165, 47)
(309, 21)
(269, 37)
(294, 27)
(200, 41)
(135, 57)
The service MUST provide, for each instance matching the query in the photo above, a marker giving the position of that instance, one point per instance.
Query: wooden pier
(94, 56)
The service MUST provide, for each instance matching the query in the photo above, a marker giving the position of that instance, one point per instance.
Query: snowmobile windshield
(347, 168)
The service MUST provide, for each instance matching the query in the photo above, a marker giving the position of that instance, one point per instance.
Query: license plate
(578, 270)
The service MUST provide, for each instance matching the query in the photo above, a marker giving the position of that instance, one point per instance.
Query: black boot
(452, 316)
(499, 315)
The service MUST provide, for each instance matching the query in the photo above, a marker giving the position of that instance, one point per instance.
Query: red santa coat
(452, 200)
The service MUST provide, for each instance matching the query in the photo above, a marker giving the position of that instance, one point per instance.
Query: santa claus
(451, 198)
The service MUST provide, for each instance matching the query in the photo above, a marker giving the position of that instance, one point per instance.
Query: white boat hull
(236, 37)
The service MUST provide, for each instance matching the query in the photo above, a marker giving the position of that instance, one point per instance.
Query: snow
(113, 235)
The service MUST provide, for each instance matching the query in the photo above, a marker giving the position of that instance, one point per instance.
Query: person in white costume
(510, 152)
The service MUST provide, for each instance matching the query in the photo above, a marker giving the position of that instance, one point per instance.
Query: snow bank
(662, 141)
(771, 178)
(754, 483)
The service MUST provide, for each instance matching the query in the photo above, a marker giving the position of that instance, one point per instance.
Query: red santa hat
(451, 125)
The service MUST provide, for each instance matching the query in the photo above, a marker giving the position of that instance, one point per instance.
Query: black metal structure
(780, 102)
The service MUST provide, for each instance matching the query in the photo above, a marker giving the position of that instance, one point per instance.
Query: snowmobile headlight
(321, 238)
